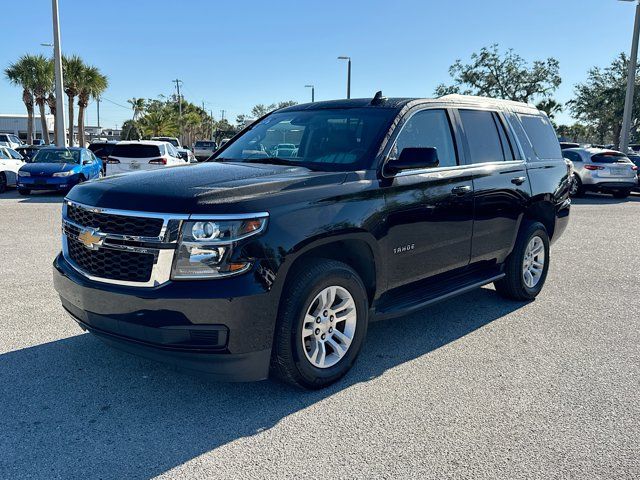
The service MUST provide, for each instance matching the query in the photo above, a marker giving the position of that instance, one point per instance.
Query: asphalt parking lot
(475, 387)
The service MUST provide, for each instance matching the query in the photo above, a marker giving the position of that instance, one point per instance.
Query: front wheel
(321, 325)
(3, 182)
(527, 266)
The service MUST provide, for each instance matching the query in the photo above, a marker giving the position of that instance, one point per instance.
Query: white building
(16, 123)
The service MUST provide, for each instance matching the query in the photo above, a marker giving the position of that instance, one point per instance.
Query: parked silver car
(203, 149)
(600, 170)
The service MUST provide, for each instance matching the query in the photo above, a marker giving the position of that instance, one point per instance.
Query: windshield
(205, 144)
(57, 156)
(331, 139)
(102, 149)
(610, 157)
(172, 141)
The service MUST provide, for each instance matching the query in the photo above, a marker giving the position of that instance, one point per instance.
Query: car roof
(592, 150)
(454, 100)
(141, 142)
(73, 149)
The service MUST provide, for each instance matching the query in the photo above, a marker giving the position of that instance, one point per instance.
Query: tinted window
(573, 156)
(50, 155)
(610, 157)
(102, 149)
(3, 153)
(428, 128)
(482, 135)
(205, 144)
(542, 136)
(136, 150)
(15, 155)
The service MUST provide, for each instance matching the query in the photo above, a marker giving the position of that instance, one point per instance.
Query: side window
(85, 156)
(483, 137)
(573, 156)
(3, 154)
(428, 128)
(542, 136)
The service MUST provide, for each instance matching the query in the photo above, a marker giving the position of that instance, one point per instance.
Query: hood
(47, 169)
(207, 187)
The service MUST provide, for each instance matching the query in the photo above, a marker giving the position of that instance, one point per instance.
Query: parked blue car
(58, 169)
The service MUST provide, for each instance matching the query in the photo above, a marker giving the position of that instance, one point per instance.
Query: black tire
(3, 182)
(24, 191)
(512, 285)
(577, 189)
(621, 193)
(288, 360)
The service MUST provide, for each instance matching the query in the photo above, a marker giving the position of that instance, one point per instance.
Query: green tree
(507, 75)
(42, 80)
(131, 130)
(599, 101)
(20, 74)
(92, 84)
(137, 105)
(74, 69)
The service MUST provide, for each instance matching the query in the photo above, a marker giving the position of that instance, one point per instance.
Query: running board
(396, 305)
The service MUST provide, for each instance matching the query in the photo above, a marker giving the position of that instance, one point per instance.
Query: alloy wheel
(533, 262)
(329, 326)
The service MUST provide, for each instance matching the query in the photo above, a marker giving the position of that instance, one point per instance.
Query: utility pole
(222, 114)
(57, 62)
(313, 92)
(98, 107)
(212, 123)
(178, 82)
(344, 57)
(631, 80)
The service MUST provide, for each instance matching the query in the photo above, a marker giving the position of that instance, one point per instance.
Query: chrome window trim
(404, 173)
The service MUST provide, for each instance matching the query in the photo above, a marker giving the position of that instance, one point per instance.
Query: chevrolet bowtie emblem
(91, 238)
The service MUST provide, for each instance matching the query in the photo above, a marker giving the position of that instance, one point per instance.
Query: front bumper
(223, 328)
(47, 183)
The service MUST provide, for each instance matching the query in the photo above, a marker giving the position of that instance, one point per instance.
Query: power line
(115, 103)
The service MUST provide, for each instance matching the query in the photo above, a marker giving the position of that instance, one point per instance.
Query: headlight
(68, 173)
(205, 247)
(24, 174)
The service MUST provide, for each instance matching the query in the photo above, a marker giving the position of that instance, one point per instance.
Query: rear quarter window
(542, 136)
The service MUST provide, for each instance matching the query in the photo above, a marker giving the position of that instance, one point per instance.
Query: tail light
(112, 160)
(158, 161)
(593, 167)
(634, 167)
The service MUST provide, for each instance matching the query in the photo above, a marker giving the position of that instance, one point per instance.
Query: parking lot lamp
(313, 92)
(57, 65)
(631, 80)
(348, 59)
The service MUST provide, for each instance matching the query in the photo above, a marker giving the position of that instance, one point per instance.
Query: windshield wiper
(271, 160)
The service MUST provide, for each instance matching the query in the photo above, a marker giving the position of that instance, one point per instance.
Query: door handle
(518, 180)
(461, 190)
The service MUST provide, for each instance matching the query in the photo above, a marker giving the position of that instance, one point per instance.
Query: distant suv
(203, 149)
(600, 170)
(172, 140)
(132, 156)
(253, 263)
(11, 140)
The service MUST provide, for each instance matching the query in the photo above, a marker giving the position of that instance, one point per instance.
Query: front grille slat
(111, 264)
(115, 224)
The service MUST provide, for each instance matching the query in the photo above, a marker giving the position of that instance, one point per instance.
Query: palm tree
(51, 102)
(138, 105)
(42, 71)
(157, 123)
(73, 70)
(20, 74)
(92, 84)
(550, 107)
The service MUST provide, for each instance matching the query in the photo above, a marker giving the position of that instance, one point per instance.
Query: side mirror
(412, 158)
(86, 162)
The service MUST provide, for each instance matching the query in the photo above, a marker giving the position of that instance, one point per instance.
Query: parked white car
(10, 163)
(131, 156)
(203, 149)
(172, 140)
(11, 140)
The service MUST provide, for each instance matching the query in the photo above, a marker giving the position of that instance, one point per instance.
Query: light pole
(631, 80)
(348, 74)
(57, 65)
(313, 92)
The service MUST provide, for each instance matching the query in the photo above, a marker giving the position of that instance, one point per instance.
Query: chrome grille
(116, 224)
(111, 263)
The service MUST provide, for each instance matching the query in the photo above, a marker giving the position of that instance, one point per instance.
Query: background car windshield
(333, 139)
(57, 156)
(610, 157)
(102, 149)
(136, 150)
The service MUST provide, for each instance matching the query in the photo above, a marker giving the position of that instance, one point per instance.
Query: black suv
(266, 259)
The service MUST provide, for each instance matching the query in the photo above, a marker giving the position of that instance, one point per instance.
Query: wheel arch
(541, 210)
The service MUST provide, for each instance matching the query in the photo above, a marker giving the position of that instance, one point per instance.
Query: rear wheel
(621, 193)
(321, 325)
(24, 191)
(527, 266)
(3, 182)
(577, 190)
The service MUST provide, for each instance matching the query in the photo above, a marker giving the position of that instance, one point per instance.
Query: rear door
(500, 183)
(429, 211)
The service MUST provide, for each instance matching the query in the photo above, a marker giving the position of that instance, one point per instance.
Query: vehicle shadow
(33, 197)
(77, 408)
(603, 199)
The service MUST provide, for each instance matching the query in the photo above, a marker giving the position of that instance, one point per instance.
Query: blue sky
(232, 55)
